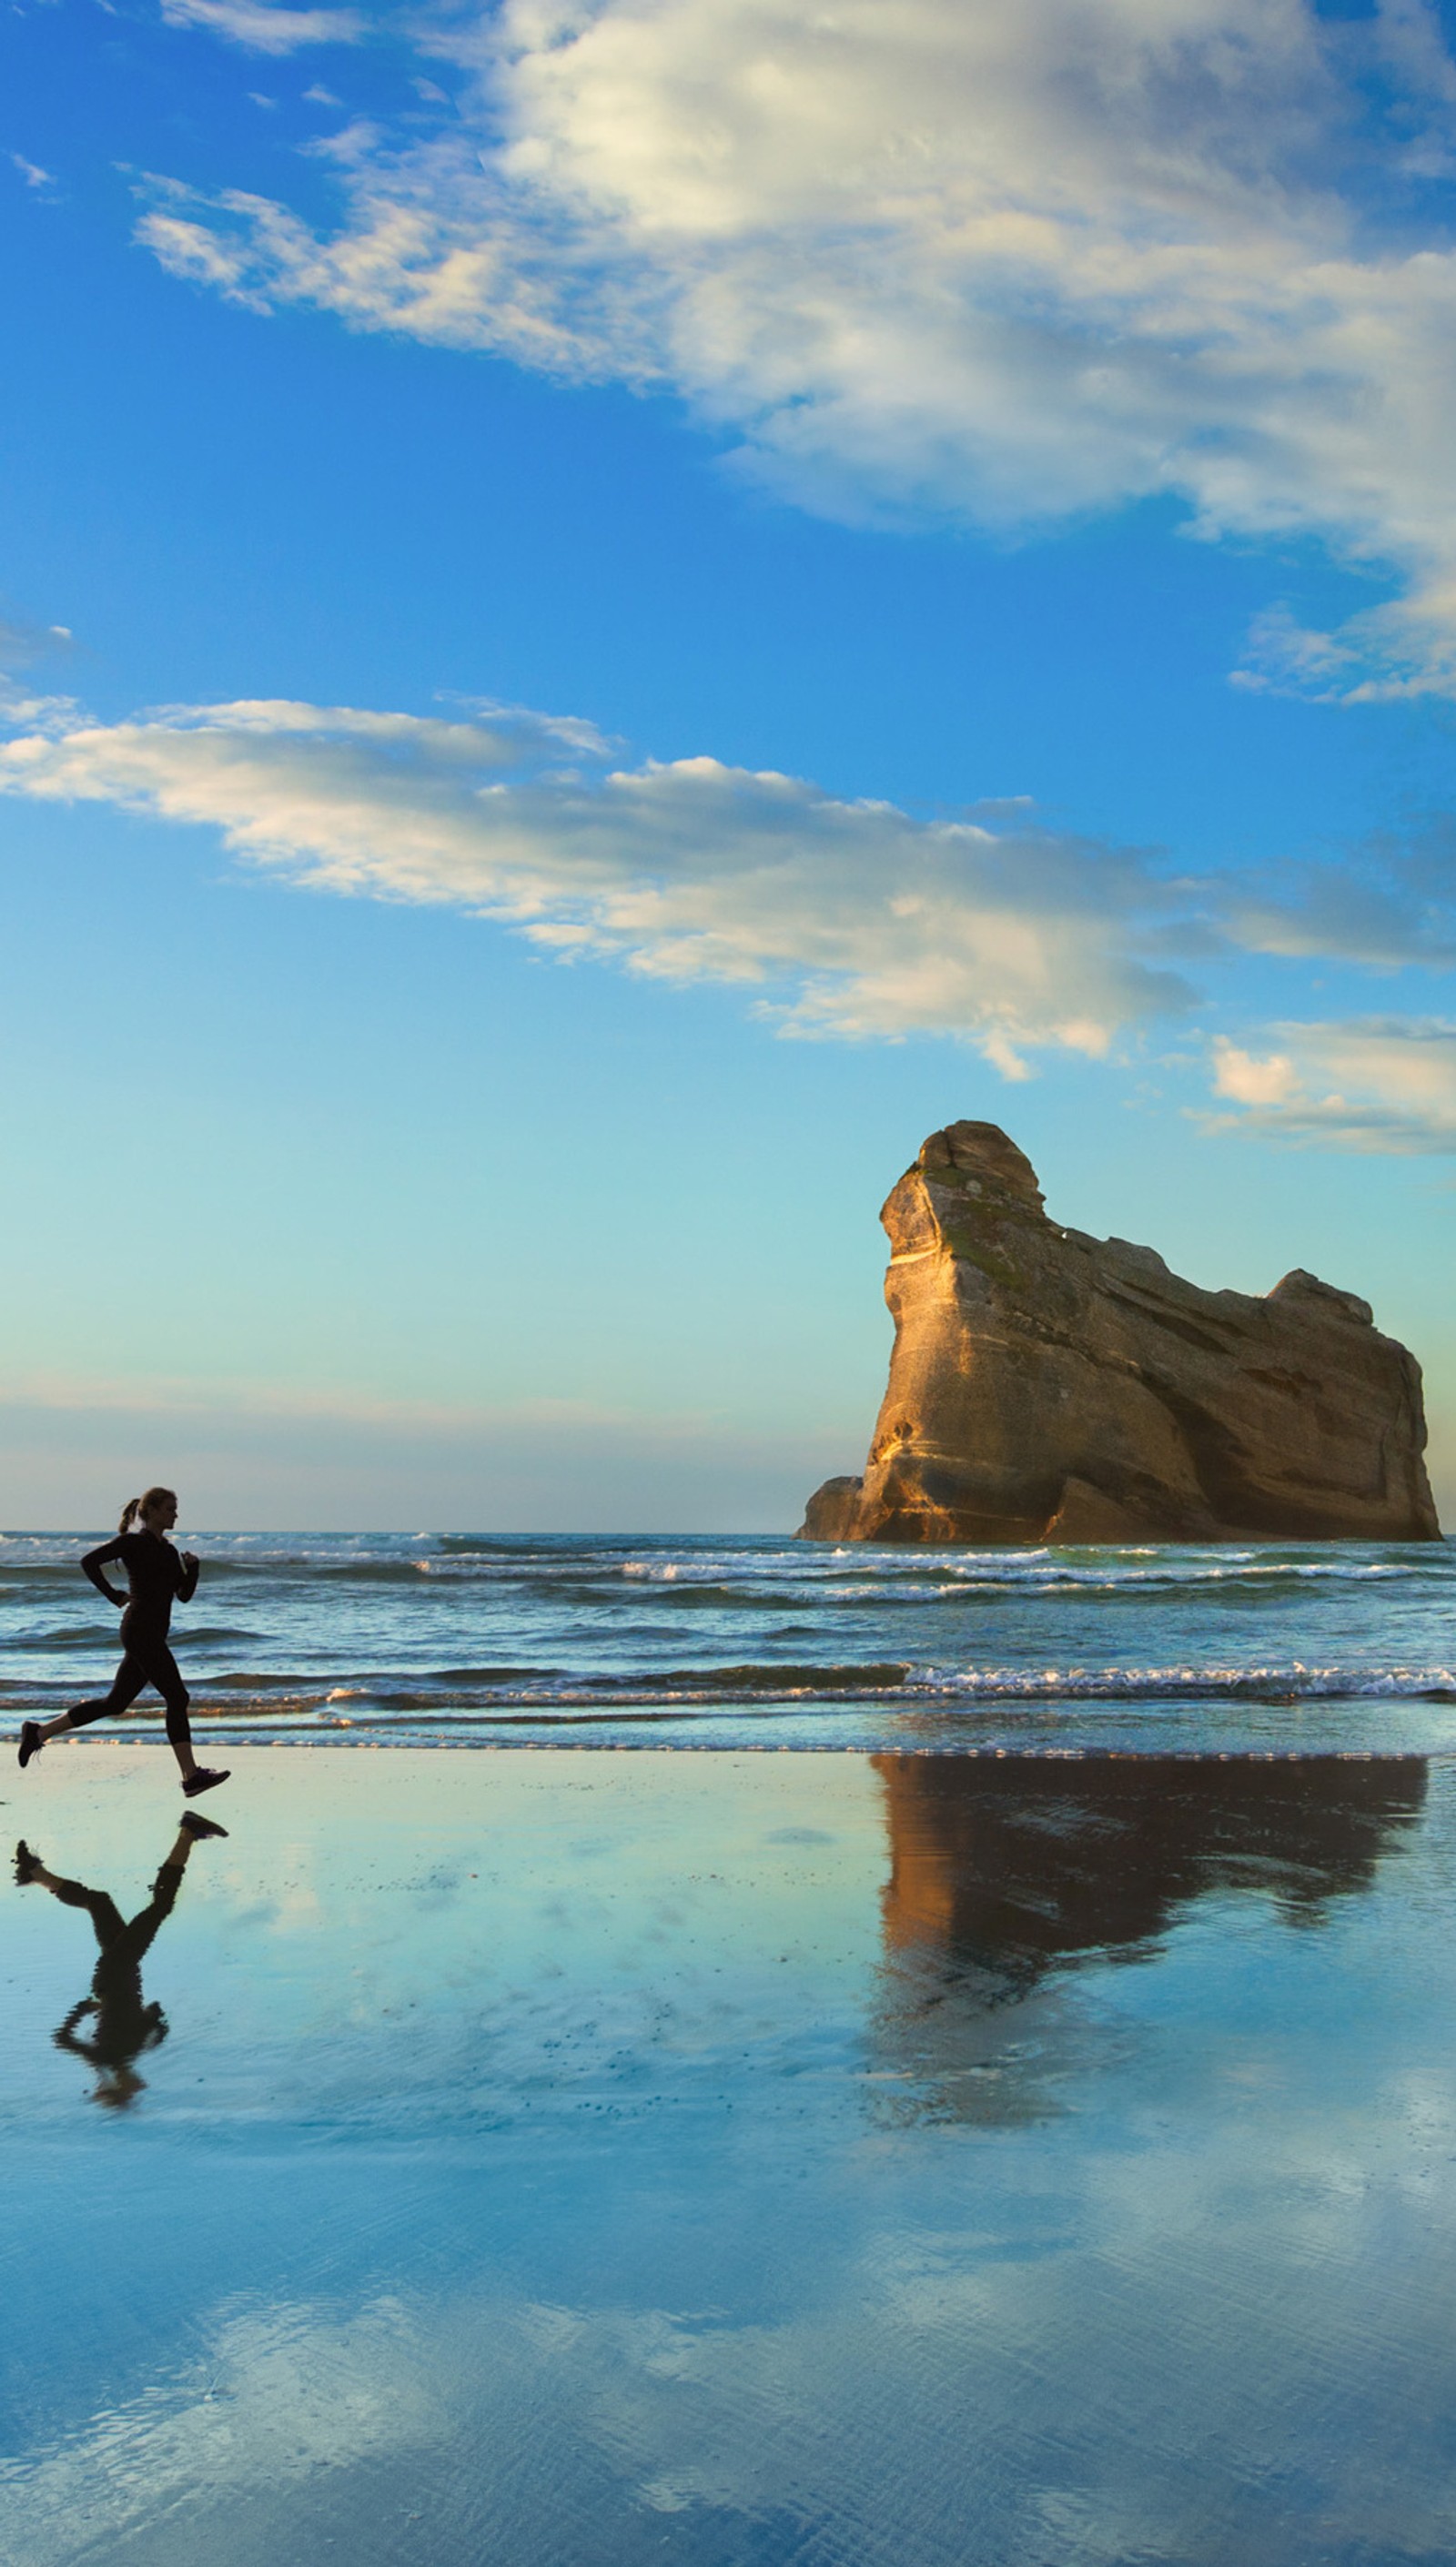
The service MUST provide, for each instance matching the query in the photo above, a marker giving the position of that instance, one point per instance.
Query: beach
(564, 2157)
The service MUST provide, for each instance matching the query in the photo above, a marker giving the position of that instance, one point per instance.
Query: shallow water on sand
(470, 1641)
(567, 2158)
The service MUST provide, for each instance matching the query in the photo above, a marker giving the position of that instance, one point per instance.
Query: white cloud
(262, 29)
(1253, 1083)
(999, 264)
(31, 172)
(836, 917)
(1404, 649)
(845, 918)
(1372, 1083)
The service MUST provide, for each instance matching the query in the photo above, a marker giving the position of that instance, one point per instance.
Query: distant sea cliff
(1047, 1386)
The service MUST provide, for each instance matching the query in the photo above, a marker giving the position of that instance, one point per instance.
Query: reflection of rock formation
(1048, 1386)
(1002, 1867)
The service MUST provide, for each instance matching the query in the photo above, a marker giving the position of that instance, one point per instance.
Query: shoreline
(1076, 1752)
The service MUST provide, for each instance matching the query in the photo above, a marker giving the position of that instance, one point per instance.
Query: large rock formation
(1046, 1386)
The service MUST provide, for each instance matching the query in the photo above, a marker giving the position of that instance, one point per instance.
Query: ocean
(473, 1640)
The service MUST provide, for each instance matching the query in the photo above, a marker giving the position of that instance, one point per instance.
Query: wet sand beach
(584, 2156)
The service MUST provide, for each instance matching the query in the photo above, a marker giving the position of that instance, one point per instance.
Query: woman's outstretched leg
(130, 1678)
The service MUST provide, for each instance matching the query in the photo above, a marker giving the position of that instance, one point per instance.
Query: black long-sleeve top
(155, 1574)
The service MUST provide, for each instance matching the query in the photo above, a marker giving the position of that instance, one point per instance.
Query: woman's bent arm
(93, 1563)
(187, 1583)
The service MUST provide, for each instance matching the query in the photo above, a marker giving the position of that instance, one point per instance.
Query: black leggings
(149, 1661)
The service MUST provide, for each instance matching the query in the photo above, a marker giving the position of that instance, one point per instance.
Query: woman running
(156, 1574)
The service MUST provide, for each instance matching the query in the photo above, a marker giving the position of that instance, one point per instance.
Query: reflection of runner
(155, 1574)
(124, 2025)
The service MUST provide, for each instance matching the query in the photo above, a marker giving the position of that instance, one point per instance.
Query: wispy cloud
(1374, 1083)
(21, 643)
(31, 172)
(262, 29)
(1385, 904)
(843, 917)
(1004, 265)
(835, 917)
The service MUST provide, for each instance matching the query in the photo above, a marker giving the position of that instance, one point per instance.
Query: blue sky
(613, 612)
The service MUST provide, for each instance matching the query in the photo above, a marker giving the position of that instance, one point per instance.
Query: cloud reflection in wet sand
(1174, 2284)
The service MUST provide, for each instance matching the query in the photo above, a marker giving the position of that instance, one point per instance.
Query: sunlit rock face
(1047, 1386)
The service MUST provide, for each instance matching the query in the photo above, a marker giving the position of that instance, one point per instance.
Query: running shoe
(27, 1865)
(194, 1825)
(206, 1778)
(31, 1741)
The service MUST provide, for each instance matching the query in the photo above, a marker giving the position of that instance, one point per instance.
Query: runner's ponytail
(137, 1505)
